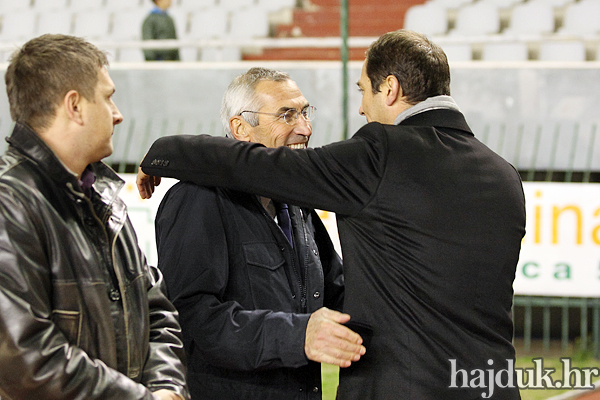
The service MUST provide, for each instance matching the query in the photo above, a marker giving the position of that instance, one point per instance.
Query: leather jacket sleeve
(192, 255)
(36, 360)
(164, 368)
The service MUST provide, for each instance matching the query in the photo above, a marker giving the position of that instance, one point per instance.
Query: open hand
(328, 341)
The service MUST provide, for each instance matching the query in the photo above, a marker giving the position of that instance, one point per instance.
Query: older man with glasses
(257, 282)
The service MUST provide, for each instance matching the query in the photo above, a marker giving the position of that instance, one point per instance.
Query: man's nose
(303, 127)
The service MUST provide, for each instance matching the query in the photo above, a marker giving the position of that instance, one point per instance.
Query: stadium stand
(490, 30)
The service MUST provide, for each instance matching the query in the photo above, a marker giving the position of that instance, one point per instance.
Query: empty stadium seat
(83, 5)
(208, 23)
(477, 19)
(275, 5)
(502, 3)
(17, 25)
(7, 6)
(93, 24)
(571, 50)
(505, 51)
(456, 52)
(531, 18)
(232, 5)
(450, 3)
(191, 5)
(120, 5)
(249, 23)
(58, 21)
(181, 21)
(581, 18)
(127, 24)
(429, 19)
(48, 5)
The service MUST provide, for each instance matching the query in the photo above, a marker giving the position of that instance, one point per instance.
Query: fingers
(327, 341)
(146, 184)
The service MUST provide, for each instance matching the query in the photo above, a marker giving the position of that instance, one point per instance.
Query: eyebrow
(284, 109)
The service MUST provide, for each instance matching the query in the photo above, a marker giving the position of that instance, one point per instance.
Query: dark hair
(420, 66)
(42, 72)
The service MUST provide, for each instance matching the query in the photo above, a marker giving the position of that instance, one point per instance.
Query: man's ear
(239, 128)
(392, 90)
(73, 106)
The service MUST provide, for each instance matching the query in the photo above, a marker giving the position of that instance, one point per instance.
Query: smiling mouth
(297, 146)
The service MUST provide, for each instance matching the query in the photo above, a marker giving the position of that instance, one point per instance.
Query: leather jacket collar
(29, 144)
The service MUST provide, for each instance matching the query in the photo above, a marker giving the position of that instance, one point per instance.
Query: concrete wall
(534, 114)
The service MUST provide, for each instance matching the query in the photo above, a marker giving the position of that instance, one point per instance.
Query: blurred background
(526, 73)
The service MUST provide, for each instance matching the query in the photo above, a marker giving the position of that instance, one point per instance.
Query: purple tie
(283, 217)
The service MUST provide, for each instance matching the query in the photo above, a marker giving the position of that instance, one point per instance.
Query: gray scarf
(431, 103)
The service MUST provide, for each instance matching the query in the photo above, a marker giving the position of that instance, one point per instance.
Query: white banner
(560, 254)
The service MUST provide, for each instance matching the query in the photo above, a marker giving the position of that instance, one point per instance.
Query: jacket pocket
(69, 323)
(268, 277)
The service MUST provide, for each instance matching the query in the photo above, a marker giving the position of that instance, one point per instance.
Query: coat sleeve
(341, 177)
(164, 368)
(192, 252)
(37, 361)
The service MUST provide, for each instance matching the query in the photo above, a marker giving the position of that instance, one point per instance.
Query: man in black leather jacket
(257, 308)
(82, 316)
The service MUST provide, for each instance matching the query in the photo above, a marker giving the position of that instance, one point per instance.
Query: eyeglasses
(291, 116)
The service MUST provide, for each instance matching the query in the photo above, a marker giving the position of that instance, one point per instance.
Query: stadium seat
(450, 4)
(92, 24)
(249, 23)
(120, 5)
(84, 5)
(477, 19)
(181, 19)
(48, 5)
(531, 18)
(581, 18)
(7, 6)
(192, 5)
(275, 5)
(127, 24)
(553, 3)
(501, 3)
(59, 21)
(457, 52)
(429, 19)
(505, 51)
(232, 5)
(562, 51)
(208, 23)
(17, 25)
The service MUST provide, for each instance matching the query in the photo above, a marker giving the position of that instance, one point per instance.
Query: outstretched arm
(340, 177)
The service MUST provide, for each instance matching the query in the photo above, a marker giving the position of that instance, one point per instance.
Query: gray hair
(241, 95)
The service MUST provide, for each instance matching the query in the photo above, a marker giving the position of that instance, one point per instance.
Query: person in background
(82, 316)
(257, 282)
(430, 223)
(159, 25)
